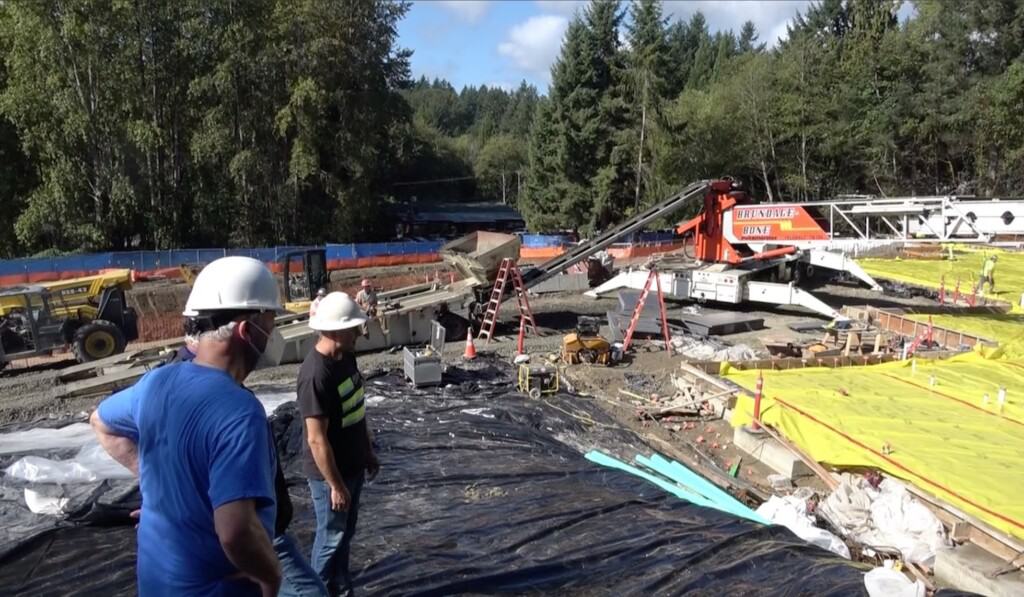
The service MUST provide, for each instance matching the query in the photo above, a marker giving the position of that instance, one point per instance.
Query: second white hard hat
(233, 283)
(337, 311)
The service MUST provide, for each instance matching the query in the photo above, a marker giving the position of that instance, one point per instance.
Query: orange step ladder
(651, 277)
(508, 270)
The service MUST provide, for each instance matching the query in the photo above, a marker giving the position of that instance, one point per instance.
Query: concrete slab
(646, 327)
(967, 567)
(772, 453)
(720, 323)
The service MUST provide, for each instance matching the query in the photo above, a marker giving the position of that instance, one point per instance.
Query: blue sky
(474, 42)
(502, 42)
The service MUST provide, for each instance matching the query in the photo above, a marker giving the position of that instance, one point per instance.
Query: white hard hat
(337, 311)
(233, 283)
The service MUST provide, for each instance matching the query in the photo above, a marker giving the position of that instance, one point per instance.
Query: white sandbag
(40, 503)
(884, 582)
(887, 517)
(791, 512)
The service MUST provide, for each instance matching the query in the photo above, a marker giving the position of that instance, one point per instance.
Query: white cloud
(470, 11)
(770, 18)
(506, 85)
(533, 45)
(562, 7)
(780, 33)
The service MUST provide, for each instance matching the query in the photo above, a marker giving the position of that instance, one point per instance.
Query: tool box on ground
(422, 364)
(535, 380)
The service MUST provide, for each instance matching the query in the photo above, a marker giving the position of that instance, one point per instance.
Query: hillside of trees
(470, 144)
(212, 122)
(852, 102)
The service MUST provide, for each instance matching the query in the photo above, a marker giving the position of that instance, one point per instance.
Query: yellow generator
(585, 345)
(91, 314)
(535, 380)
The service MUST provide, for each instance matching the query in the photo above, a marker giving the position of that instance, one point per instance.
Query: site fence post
(758, 390)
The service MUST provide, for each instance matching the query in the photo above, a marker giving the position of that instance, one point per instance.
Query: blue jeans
(298, 579)
(334, 531)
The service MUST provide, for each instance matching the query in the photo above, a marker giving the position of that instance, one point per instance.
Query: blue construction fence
(541, 241)
(27, 269)
(369, 250)
(137, 260)
(13, 270)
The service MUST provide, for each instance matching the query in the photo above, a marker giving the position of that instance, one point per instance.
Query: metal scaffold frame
(940, 218)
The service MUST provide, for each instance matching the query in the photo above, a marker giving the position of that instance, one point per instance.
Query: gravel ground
(31, 395)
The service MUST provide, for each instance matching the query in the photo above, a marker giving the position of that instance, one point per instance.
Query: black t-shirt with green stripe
(334, 389)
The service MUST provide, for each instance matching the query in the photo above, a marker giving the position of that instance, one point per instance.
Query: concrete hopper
(477, 256)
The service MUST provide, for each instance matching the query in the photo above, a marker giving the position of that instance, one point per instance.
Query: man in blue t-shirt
(202, 447)
(298, 579)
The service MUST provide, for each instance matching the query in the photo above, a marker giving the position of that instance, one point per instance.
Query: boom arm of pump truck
(563, 262)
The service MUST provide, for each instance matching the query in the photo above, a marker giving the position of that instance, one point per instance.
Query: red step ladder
(508, 270)
(651, 277)
(926, 334)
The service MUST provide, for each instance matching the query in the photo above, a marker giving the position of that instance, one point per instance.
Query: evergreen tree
(747, 43)
(704, 50)
(587, 113)
(203, 122)
(646, 81)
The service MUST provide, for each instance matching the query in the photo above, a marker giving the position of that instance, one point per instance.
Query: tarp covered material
(483, 490)
(926, 422)
(1009, 274)
(884, 517)
(791, 512)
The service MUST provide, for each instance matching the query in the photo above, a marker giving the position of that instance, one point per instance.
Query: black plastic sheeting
(484, 491)
(102, 503)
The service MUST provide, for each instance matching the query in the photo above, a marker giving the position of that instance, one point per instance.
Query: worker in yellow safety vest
(988, 270)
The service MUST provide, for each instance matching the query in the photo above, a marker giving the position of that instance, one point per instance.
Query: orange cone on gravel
(470, 353)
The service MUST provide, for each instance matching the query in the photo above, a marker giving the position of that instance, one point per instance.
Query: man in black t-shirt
(338, 453)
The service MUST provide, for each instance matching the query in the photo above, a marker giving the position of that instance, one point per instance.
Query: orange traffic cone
(520, 349)
(470, 353)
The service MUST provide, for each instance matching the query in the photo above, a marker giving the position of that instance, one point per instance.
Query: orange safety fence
(525, 253)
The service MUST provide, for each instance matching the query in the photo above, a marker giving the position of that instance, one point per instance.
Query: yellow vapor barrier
(1005, 328)
(943, 438)
(1009, 272)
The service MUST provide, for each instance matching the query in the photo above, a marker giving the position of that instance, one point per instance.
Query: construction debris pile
(712, 350)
